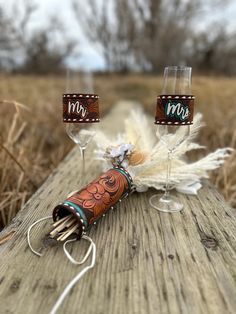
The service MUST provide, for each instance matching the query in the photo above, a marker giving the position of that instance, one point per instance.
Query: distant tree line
(24, 50)
(131, 35)
(147, 34)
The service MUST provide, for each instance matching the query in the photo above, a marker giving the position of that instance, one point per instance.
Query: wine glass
(174, 115)
(79, 89)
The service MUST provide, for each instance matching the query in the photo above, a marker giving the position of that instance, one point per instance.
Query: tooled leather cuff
(80, 108)
(92, 202)
(174, 109)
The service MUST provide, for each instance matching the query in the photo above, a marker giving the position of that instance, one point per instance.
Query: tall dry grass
(33, 140)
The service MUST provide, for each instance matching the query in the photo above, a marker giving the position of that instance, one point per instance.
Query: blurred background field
(124, 45)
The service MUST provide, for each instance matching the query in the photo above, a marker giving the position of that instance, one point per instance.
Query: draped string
(92, 248)
(28, 234)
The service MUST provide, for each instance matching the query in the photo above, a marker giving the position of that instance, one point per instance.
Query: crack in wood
(209, 242)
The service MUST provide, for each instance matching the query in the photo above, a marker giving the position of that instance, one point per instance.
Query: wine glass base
(169, 204)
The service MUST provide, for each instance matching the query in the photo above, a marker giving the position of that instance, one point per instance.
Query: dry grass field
(33, 141)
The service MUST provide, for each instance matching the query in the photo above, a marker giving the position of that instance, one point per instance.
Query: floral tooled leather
(98, 196)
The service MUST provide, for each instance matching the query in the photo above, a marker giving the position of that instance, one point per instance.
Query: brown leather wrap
(80, 108)
(174, 109)
(93, 201)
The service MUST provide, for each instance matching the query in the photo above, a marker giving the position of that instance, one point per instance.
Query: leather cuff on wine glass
(174, 109)
(80, 108)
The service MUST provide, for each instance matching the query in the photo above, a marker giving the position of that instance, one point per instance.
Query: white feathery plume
(150, 152)
(139, 132)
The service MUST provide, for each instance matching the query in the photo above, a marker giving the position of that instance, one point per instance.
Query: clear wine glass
(174, 115)
(80, 132)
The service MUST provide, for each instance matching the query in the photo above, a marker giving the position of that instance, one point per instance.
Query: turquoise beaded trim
(126, 174)
(79, 210)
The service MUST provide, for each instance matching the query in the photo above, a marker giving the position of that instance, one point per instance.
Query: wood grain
(147, 262)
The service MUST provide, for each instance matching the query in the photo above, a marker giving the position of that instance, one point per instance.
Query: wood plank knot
(210, 243)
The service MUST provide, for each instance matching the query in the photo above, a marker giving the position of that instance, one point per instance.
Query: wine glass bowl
(173, 136)
(177, 80)
(80, 133)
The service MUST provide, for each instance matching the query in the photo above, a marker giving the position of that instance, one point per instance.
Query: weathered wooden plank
(147, 262)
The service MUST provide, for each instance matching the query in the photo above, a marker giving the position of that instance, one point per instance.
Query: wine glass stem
(166, 195)
(82, 150)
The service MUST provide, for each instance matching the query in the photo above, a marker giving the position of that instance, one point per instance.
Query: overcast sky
(90, 58)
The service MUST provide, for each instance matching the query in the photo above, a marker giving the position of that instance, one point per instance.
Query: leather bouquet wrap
(93, 201)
